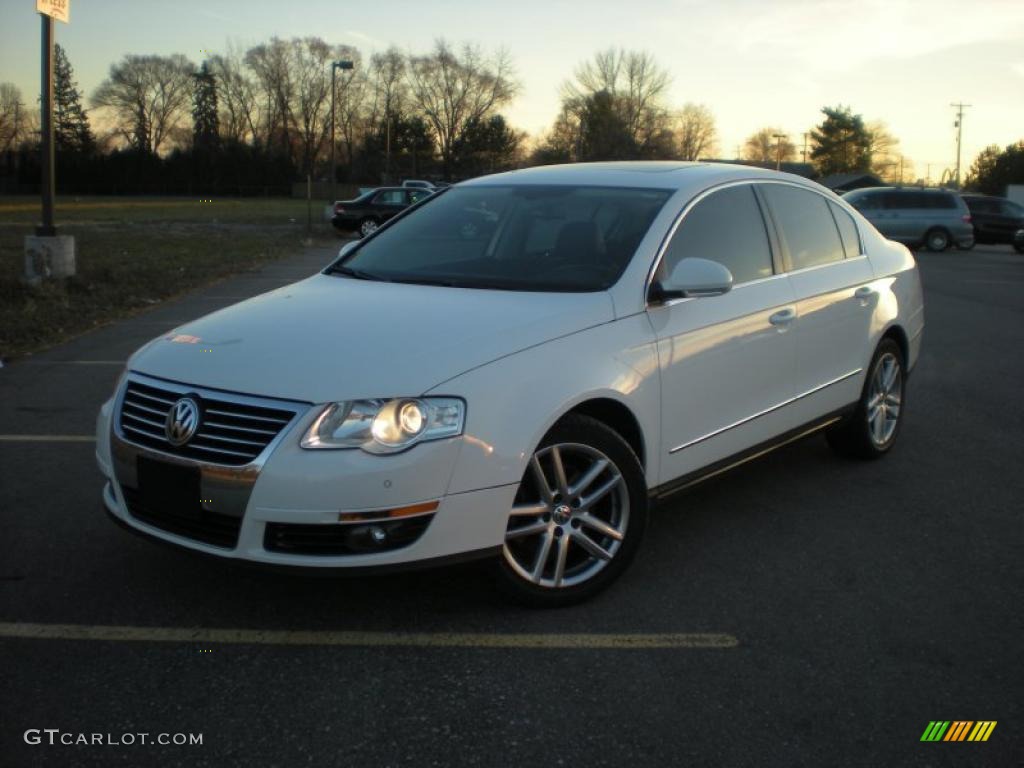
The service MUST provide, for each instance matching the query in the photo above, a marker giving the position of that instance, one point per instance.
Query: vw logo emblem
(182, 421)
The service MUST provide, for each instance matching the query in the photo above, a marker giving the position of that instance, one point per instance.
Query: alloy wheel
(569, 518)
(885, 399)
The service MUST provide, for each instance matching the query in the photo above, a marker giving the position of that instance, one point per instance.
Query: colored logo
(958, 730)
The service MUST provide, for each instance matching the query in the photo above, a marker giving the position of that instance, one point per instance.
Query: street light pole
(335, 66)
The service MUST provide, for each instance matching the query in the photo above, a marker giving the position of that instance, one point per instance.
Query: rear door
(727, 362)
(832, 281)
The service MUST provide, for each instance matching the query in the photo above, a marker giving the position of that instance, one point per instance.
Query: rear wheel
(368, 226)
(872, 429)
(936, 240)
(578, 516)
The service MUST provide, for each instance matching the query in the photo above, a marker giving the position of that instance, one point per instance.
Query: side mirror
(346, 249)
(692, 278)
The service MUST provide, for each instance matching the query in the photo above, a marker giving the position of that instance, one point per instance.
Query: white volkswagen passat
(514, 368)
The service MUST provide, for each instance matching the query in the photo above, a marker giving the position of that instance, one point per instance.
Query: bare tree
(240, 114)
(147, 98)
(353, 87)
(695, 131)
(763, 147)
(17, 123)
(390, 93)
(270, 64)
(636, 84)
(455, 89)
(884, 150)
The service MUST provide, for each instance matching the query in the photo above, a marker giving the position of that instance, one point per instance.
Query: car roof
(926, 190)
(670, 175)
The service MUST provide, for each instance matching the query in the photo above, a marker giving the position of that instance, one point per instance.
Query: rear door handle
(783, 317)
(864, 293)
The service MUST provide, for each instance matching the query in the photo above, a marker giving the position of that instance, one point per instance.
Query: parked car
(934, 218)
(370, 210)
(419, 184)
(514, 369)
(996, 220)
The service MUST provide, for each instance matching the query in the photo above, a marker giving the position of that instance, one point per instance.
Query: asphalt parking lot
(865, 600)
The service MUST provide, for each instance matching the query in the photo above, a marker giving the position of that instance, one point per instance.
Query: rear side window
(865, 201)
(847, 231)
(391, 197)
(805, 225)
(727, 227)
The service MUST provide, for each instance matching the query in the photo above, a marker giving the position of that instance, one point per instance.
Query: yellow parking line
(672, 640)
(47, 439)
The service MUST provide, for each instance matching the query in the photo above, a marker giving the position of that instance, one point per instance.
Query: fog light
(378, 534)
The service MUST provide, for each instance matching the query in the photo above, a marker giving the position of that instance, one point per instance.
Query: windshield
(516, 237)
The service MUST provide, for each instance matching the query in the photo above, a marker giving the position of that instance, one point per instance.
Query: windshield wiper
(356, 274)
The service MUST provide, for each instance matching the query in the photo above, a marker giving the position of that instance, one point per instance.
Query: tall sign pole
(48, 254)
(48, 180)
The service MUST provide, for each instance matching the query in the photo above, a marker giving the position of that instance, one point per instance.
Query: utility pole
(335, 66)
(959, 125)
(805, 146)
(778, 149)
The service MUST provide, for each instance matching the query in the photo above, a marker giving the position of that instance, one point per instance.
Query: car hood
(334, 338)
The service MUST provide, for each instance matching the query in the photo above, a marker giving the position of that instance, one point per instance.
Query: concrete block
(49, 257)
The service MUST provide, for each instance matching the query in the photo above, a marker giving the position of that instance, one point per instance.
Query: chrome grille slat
(218, 425)
(207, 436)
(238, 433)
(216, 412)
(158, 424)
(147, 409)
(208, 449)
(136, 393)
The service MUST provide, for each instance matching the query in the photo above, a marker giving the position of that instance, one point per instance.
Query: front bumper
(295, 488)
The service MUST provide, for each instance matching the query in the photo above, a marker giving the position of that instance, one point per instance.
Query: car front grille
(188, 520)
(230, 432)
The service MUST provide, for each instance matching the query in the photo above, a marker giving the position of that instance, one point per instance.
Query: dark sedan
(370, 210)
(996, 220)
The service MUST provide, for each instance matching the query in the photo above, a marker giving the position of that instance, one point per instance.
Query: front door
(727, 362)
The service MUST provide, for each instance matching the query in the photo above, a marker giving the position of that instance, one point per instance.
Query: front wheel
(872, 429)
(578, 516)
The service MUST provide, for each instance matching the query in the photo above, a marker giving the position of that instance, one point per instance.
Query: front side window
(513, 237)
(727, 227)
(805, 225)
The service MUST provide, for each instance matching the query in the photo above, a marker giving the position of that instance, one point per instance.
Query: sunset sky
(753, 62)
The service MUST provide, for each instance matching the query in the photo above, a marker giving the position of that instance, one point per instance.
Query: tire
(937, 240)
(568, 540)
(871, 431)
(368, 226)
(1018, 241)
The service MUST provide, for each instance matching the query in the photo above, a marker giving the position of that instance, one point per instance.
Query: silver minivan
(934, 218)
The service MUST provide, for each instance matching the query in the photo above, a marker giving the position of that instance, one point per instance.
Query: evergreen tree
(71, 123)
(842, 143)
(205, 119)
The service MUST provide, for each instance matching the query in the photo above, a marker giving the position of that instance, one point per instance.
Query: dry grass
(134, 252)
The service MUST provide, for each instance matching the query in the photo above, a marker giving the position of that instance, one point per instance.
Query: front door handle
(783, 317)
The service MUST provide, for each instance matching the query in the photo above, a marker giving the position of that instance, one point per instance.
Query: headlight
(386, 426)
